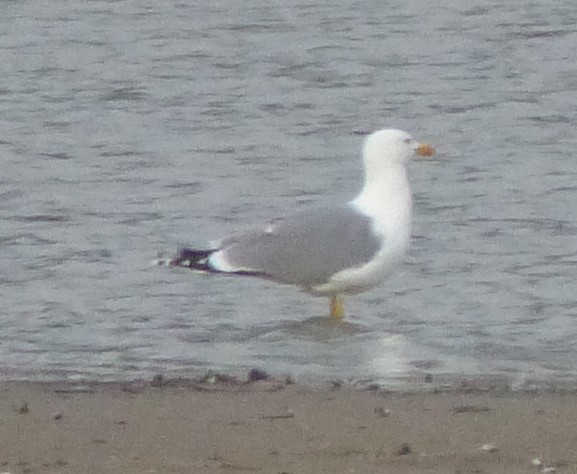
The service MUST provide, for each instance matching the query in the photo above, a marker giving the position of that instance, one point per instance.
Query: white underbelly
(357, 280)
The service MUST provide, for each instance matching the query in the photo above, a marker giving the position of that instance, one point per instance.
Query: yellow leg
(337, 308)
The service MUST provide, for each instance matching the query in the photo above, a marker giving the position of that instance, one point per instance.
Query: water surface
(129, 127)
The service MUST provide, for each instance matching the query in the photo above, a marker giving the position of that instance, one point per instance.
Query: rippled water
(129, 127)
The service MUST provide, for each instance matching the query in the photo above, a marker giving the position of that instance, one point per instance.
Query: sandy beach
(220, 425)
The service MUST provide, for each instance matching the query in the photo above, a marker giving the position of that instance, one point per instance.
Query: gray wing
(307, 248)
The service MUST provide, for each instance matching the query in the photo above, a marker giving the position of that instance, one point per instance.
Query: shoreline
(421, 383)
(222, 424)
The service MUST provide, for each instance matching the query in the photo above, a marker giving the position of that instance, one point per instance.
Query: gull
(336, 250)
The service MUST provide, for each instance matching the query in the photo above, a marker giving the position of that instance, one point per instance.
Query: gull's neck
(386, 192)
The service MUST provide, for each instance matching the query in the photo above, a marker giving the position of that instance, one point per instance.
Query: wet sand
(223, 426)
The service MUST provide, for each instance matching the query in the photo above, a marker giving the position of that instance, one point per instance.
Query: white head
(385, 153)
(390, 144)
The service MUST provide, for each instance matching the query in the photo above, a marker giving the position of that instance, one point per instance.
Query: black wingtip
(193, 259)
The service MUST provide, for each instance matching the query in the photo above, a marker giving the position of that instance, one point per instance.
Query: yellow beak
(424, 149)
